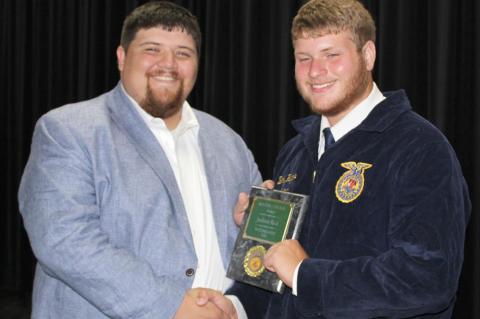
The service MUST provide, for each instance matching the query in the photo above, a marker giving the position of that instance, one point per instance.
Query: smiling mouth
(321, 86)
(164, 78)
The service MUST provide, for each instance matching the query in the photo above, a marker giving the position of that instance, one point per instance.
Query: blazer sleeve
(62, 217)
(419, 272)
(255, 176)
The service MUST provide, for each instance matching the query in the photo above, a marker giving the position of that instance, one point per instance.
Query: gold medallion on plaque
(253, 262)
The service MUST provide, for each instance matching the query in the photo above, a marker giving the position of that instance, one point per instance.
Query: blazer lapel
(128, 119)
(215, 184)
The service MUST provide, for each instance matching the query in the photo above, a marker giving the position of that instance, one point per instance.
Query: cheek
(189, 72)
(142, 63)
(301, 71)
(345, 66)
(146, 65)
(137, 70)
(338, 67)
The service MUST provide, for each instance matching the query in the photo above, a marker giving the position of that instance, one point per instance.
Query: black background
(54, 52)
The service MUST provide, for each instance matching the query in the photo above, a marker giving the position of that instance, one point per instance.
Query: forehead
(160, 35)
(322, 40)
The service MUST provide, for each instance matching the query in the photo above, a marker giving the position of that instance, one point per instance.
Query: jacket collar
(386, 112)
(379, 119)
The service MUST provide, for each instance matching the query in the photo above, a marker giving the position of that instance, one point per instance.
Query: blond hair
(320, 17)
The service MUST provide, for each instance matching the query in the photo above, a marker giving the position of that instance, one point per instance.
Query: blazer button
(189, 272)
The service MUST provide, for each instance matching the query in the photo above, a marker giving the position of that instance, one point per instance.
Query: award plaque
(271, 217)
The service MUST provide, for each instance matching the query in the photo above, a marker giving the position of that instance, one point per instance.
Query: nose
(317, 68)
(167, 59)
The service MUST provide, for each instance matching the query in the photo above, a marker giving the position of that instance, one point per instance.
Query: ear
(369, 54)
(120, 57)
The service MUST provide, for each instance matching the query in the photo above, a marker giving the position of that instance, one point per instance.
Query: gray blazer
(104, 213)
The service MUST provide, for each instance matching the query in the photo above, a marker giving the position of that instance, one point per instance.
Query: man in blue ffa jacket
(126, 197)
(384, 234)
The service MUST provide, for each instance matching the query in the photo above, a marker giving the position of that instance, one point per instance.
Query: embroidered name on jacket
(285, 181)
(288, 179)
(350, 184)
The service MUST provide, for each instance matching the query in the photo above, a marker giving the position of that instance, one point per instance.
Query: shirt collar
(355, 116)
(188, 119)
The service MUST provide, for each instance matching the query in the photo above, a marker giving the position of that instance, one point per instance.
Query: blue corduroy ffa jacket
(386, 224)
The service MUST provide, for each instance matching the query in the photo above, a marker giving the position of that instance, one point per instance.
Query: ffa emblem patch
(350, 184)
(253, 262)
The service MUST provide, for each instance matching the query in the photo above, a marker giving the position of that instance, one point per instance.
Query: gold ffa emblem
(350, 184)
(253, 262)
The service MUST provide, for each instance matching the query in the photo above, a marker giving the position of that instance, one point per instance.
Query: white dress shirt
(185, 156)
(351, 120)
(345, 125)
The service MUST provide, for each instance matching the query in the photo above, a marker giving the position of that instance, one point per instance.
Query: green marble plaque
(271, 216)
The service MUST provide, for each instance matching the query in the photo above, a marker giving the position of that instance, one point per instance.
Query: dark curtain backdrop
(54, 52)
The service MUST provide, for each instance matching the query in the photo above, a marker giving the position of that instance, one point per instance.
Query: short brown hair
(164, 14)
(320, 17)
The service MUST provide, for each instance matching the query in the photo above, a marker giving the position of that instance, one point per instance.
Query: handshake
(206, 303)
(282, 258)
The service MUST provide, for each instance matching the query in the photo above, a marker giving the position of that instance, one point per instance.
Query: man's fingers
(190, 308)
(206, 298)
(202, 298)
(242, 202)
(283, 258)
(269, 184)
(202, 295)
(240, 207)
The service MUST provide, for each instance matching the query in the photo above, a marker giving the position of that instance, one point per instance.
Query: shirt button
(189, 272)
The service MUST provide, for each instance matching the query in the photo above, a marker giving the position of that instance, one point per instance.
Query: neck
(172, 121)
(335, 118)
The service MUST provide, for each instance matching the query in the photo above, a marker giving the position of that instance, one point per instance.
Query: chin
(321, 108)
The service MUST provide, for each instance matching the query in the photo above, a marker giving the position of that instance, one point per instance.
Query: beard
(355, 87)
(164, 103)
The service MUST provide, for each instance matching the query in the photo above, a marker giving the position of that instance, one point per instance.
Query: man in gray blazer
(127, 198)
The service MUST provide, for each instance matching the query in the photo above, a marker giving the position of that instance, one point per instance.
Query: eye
(303, 59)
(152, 49)
(332, 55)
(183, 54)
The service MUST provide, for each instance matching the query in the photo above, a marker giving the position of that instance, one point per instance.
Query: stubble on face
(355, 88)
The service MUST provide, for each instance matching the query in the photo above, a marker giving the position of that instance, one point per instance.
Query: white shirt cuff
(241, 314)
(294, 280)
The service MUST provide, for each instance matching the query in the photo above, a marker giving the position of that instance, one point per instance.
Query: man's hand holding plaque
(283, 258)
(242, 202)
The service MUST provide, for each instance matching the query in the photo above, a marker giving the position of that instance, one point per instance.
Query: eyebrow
(330, 48)
(187, 48)
(184, 47)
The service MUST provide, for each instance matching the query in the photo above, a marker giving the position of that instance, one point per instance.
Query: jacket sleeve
(62, 217)
(254, 300)
(419, 272)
